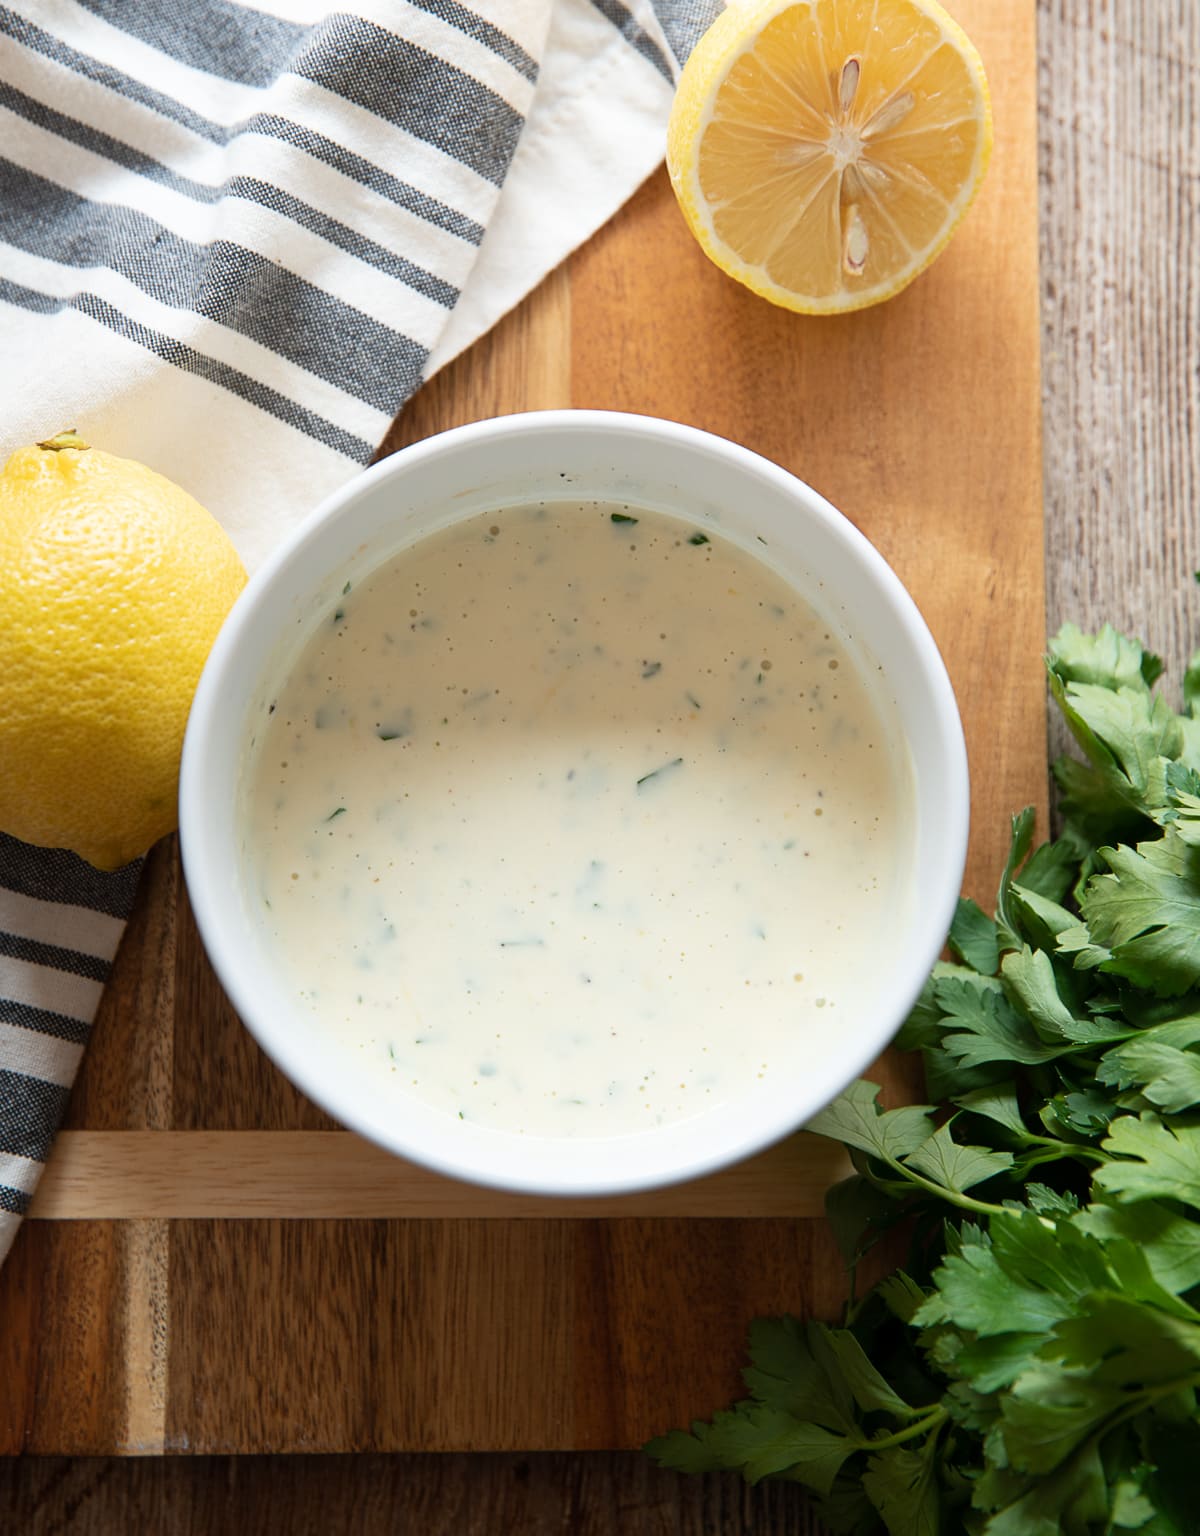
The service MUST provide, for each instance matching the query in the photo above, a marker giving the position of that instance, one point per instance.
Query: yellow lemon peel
(115, 585)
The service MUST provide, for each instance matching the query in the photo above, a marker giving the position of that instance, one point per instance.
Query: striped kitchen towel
(233, 242)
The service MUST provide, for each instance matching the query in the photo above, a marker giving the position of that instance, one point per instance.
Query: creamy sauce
(577, 820)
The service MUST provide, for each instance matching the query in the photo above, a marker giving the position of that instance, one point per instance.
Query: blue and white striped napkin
(233, 242)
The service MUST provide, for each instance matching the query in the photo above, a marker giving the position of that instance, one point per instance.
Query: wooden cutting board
(213, 1266)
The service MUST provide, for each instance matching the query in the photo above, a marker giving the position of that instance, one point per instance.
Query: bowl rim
(207, 889)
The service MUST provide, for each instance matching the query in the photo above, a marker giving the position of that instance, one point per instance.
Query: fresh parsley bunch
(1035, 1369)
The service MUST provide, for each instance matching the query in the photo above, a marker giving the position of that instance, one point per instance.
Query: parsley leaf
(1131, 1509)
(974, 938)
(871, 1392)
(1020, 841)
(997, 1102)
(1169, 1242)
(784, 1373)
(1050, 1412)
(1030, 981)
(954, 1166)
(856, 1118)
(981, 1293)
(1041, 919)
(1152, 1161)
(902, 1485)
(1107, 659)
(1128, 1345)
(989, 1029)
(1167, 1073)
(757, 1441)
(1147, 913)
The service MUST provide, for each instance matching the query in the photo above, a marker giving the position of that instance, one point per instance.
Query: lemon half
(824, 151)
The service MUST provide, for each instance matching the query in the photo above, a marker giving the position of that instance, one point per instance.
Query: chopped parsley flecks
(396, 728)
(657, 773)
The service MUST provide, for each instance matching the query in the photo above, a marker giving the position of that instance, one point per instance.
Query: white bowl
(585, 455)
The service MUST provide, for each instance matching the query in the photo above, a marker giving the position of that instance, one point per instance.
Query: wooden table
(1118, 478)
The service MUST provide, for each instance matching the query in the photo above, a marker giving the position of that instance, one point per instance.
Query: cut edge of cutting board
(313, 1175)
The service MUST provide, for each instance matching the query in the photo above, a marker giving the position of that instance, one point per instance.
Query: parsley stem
(1055, 1150)
(933, 1419)
(953, 1196)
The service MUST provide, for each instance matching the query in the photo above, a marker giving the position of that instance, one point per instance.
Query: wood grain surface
(1119, 90)
(307, 1175)
(1119, 209)
(373, 1495)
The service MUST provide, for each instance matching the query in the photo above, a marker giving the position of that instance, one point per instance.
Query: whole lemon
(113, 585)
